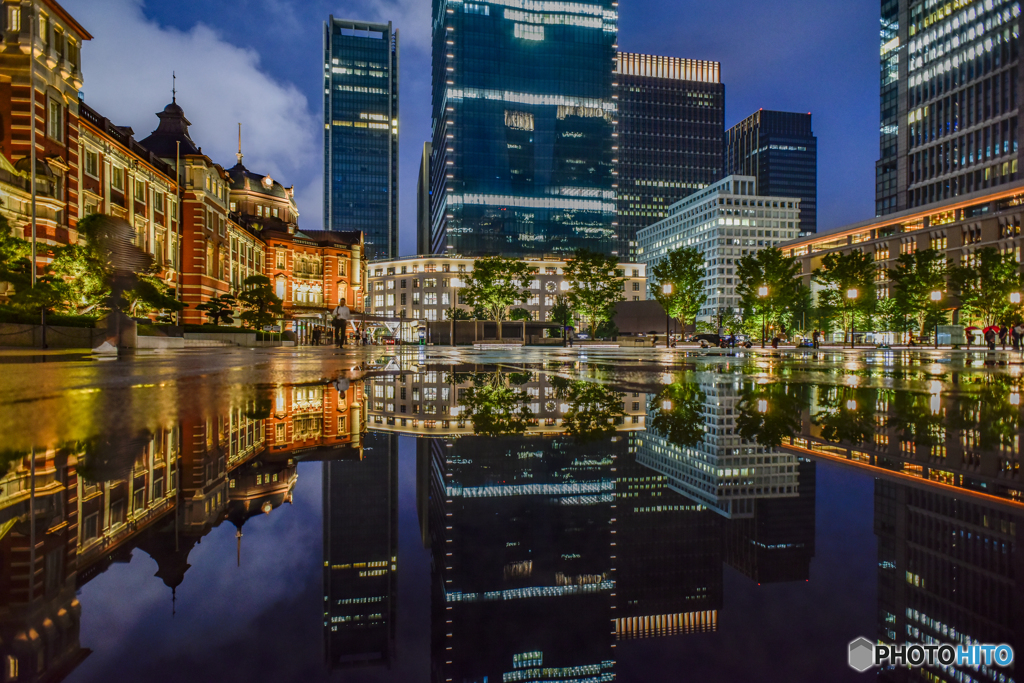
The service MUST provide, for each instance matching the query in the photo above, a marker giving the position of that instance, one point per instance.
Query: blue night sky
(258, 62)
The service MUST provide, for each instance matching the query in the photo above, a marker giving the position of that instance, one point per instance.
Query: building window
(55, 121)
(117, 178)
(140, 190)
(13, 18)
(92, 164)
(281, 259)
(234, 207)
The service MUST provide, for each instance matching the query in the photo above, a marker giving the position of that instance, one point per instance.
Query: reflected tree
(769, 413)
(677, 413)
(494, 405)
(847, 414)
(593, 409)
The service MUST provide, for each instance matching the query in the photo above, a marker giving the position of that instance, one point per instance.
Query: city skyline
(267, 68)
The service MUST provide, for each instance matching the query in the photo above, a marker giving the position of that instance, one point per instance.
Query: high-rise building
(780, 150)
(361, 132)
(671, 119)
(724, 222)
(360, 497)
(949, 108)
(423, 203)
(523, 125)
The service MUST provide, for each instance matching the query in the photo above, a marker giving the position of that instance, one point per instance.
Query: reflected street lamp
(666, 289)
(936, 298)
(851, 295)
(762, 292)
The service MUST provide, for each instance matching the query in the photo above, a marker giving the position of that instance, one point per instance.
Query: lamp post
(456, 283)
(936, 297)
(851, 295)
(666, 289)
(762, 292)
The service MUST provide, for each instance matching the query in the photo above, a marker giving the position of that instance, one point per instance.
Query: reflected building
(669, 556)
(776, 543)
(949, 571)
(360, 498)
(720, 469)
(524, 548)
(428, 401)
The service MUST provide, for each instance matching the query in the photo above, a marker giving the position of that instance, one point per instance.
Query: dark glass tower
(780, 150)
(671, 121)
(523, 124)
(361, 133)
(950, 120)
(360, 498)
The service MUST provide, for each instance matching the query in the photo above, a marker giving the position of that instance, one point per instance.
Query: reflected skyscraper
(522, 152)
(360, 498)
(524, 551)
(949, 571)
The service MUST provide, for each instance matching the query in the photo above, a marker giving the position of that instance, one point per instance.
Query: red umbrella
(992, 328)
(971, 329)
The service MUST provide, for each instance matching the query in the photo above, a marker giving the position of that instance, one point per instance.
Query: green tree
(682, 270)
(219, 310)
(914, 279)
(497, 284)
(594, 286)
(456, 313)
(841, 276)
(16, 272)
(775, 275)
(151, 295)
(677, 413)
(14, 253)
(984, 284)
(562, 314)
(519, 314)
(260, 305)
(594, 409)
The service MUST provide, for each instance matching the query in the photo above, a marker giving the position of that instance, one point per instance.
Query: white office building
(724, 222)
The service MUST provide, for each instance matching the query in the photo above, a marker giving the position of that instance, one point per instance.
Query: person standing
(1002, 336)
(990, 338)
(339, 319)
(817, 339)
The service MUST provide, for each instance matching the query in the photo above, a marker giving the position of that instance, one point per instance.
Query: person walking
(339, 319)
(1002, 336)
(990, 338)
(817, 339)
(316, 336)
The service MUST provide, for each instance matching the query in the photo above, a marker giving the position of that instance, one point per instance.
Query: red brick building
(53, 89)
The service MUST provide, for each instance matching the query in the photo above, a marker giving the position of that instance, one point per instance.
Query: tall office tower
(361, 133)
(780, 150)
(671, 121)
(949, 100)
(360, 498)
(949, 571)
(523, 125)
(423, 203)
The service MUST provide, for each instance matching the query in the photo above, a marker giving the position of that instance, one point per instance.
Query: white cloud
(410, 17)
(127, 69)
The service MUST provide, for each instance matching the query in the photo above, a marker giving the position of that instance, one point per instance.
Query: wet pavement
(433, 514)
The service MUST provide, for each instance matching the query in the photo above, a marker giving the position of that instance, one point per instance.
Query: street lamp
(666, 289)
(851, 294)
(1015, 298)
(936, 298)
(762, 292)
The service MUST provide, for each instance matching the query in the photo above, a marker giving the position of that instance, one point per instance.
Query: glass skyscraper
(361, 132)
(780, 150)
(523, 127)
(671, 120)
(949, 104)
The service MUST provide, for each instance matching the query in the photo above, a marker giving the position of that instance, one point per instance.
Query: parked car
(389, 341)
(712, 339)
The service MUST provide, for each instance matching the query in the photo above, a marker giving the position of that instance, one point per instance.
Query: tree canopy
(840, 276)
(984, 284)
(496, 285)
(780, 276)
(260, 305)
(594, 286)
(914, 279)
(683, 269)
